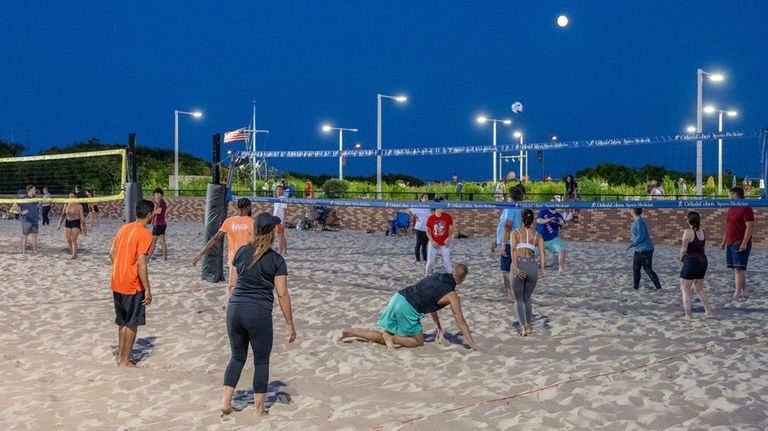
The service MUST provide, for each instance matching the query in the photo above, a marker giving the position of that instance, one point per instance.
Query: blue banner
(439, 151)
(656, 203)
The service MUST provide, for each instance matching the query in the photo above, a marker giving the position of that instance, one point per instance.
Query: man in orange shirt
(130, 279)
(237, 230)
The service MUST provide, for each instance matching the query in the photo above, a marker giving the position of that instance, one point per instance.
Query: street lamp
(720, 112)
(690, 129)
(482, 120)
(195, 114)
(327, 128)
(714, 77)
(519, 134)
(399, 99)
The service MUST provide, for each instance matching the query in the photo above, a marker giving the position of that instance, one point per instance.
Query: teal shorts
(554, 245)
(400, 318)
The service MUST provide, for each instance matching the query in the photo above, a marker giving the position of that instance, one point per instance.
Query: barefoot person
(159, 223)
(238, 229)
(548, 224)
(401, 320)
(421, 214)
(643, 245)
(524, 243)
(74, 223)
(439, 231)
(694, 264)
(279, 212)
(260, 271)
(737, 242)
(30, 218)
(508, 220)
(130, 279)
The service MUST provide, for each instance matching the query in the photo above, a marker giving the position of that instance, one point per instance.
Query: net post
(133, 192)
(212, 268)
(216, 158)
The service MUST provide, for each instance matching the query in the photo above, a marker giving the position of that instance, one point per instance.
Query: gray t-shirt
(33, 214)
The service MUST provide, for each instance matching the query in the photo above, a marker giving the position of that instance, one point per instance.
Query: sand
(603, 356)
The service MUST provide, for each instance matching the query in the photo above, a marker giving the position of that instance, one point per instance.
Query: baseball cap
(265, 222)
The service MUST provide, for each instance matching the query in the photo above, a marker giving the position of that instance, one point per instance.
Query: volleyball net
(621, 172)
(100, 176)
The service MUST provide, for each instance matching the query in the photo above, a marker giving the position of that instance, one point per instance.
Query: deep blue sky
(75, 70)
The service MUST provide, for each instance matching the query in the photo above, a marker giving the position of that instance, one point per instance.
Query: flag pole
(253, 148)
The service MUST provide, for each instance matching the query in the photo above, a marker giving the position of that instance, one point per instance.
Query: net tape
(48, 157)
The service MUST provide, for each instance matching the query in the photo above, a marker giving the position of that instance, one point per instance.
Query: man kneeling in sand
(401, 320)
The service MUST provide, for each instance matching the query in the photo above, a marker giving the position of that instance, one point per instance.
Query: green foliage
(335, 188)
(10, 149)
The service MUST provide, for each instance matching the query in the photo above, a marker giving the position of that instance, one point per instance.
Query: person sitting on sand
(401, 320)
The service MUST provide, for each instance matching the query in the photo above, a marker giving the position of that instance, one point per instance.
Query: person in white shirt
(279, 211)
(420, 227)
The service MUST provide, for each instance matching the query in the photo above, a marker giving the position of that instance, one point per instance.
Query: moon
(562, 21)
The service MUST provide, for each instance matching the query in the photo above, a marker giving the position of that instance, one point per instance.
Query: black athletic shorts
(158, 229)
(129, 311)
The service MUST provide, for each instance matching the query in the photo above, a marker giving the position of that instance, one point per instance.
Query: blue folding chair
(401, 224)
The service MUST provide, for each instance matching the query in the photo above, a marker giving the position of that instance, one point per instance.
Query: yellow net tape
(114, 197)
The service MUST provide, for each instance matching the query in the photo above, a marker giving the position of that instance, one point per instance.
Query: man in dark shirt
(30, 219)
(401, 320)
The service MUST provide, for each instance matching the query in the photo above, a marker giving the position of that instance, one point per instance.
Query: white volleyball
(517, 107)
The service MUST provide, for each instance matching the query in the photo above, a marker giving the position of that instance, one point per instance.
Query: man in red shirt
(439, 232)
(737, 241)
(130, 279)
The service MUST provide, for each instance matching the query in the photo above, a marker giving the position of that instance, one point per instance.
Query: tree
(11, 149)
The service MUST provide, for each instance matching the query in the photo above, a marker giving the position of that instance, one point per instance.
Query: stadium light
(400, 99)
(554, 138)
(714, 77)
(328, 128)
(482, 120)
(691, 129)
(195, 114)
(720, 112)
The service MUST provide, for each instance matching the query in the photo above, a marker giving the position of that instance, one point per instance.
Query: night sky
(71, 71)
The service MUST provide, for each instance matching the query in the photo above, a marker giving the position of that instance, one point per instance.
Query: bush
(335, 188)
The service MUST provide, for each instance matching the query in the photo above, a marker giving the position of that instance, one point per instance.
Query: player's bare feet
(388, 340)
(341, 336)
(226, 409)
(127, 364)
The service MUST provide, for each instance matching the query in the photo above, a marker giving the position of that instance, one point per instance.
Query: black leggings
(249, 324)
(644, 259)
(421, 244)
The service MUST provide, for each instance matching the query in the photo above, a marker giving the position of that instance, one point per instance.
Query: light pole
(720, 112)
(519, 134)
(400, 99)
(327, 128)
(714, 77)
(482, 120)
(196, 114)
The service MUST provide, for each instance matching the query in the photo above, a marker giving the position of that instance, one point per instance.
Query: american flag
(240, 134)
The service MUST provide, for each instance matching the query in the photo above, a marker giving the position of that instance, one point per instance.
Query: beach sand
(603, 356)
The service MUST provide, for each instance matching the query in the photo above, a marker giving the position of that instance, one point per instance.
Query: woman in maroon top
(158, 223)
(694, 264)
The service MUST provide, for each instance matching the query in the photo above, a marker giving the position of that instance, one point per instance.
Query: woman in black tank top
(694, 260)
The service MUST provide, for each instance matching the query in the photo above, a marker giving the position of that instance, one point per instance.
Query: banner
(441, 151)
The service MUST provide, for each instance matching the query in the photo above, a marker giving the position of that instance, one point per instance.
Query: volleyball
(517, 107)
(511, 175)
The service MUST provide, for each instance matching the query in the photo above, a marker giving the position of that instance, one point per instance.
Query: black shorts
(72, 224)
(158, 229)
(129, 311)
(693, 269)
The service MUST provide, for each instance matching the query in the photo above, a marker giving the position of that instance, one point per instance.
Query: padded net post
(215, 213)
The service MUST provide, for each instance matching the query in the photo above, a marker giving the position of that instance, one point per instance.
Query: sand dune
(591, 328)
